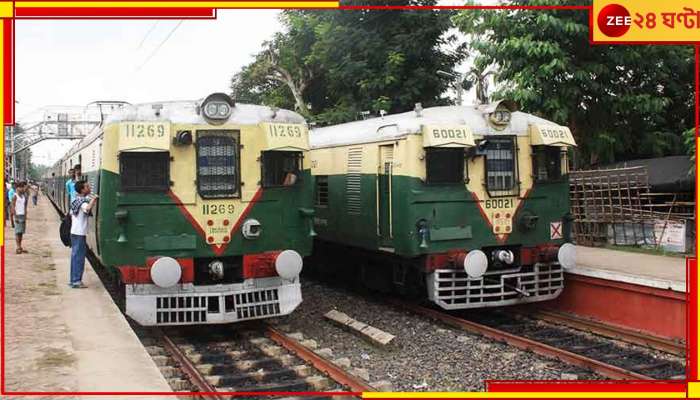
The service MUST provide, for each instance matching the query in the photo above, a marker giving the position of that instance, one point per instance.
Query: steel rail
(611, 331)
(568, 357)
(189, 368)
(335, 372)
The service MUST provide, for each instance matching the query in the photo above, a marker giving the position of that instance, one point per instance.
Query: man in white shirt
(81, 210)
(18, 213)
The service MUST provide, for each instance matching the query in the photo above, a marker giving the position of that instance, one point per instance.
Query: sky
(72, 63)
(76, 62)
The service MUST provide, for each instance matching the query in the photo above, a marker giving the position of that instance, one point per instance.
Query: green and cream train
(205, 209)
(468, 204)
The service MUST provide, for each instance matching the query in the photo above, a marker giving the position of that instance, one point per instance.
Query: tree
(335, 64)
(621, 102)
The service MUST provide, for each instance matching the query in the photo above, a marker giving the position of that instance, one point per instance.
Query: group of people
(81, 202)
(18, 194)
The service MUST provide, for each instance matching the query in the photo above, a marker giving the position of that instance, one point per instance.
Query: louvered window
(217, 164)
(501, 169)
(352, 181)
(144, 171)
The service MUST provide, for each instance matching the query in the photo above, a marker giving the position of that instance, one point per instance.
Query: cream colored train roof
(399, 125)
(185, 112)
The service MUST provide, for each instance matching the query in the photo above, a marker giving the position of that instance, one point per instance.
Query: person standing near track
(10, 194)
(81, 210)
(70, 186)
(34, 191)
(18, 214)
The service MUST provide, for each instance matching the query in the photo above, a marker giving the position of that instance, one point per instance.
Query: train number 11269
(217, 209)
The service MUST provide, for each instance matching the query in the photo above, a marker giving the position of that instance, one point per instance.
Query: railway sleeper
(559, 339)
(245, 365)
(313, 383)
(587, 347)
(644, 367)
(255, 377)
(217, 358)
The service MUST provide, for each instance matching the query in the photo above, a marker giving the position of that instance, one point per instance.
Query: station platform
(660, 272)
(637, 291)
(59, 339)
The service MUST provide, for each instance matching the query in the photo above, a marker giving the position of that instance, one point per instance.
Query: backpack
(64, 229)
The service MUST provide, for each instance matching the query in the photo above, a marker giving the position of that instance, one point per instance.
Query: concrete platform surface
(63, 339)
(660, 272)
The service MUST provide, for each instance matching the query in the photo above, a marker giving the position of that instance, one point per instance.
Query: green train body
(468, 204)
(222, 203)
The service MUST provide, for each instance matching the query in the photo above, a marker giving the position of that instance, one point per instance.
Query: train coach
(467, 204)
(203, 211)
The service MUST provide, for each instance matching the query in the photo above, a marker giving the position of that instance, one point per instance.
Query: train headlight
(166, 272)
(216, 270)
(288, 264)
(567, 255)
(475, 264)
(217, 108)
(211, 110)
(505, 256)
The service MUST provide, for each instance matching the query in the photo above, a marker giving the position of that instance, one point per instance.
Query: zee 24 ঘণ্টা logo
(648, 22)
(614, 20)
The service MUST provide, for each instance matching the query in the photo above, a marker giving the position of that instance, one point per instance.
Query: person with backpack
(80, 210)
(18, 214)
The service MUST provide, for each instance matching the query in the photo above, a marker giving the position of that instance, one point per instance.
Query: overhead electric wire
(147, 34)
(153, 53)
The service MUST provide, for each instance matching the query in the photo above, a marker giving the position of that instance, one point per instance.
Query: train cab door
(384, 195)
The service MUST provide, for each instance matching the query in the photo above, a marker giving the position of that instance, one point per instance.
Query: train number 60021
(499, 203)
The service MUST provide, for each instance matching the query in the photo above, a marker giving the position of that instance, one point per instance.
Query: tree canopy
(620, 102)
(332, 65)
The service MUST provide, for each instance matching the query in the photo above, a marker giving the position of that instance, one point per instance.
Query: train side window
(547, 163)
(322, 190)
(217, 164)
(444, 165)
(280, 168)
(144, 171)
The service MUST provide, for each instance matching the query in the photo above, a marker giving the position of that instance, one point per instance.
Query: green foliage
(689, 140)
(345, 62)
(621, 102)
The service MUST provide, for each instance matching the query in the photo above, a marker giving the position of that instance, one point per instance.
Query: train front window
(144, 171)
(444, 165)
(280, 168)
(217, 164)
(547, 163)
(501, 169)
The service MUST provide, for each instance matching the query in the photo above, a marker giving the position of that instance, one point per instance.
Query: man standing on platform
(34, 190)
(18, 214)
(10, 195)
(81, 210)
(70, 185)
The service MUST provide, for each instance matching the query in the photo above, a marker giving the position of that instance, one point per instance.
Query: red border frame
(203, 13)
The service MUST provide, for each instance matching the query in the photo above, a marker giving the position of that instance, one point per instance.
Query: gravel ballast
(425, 355)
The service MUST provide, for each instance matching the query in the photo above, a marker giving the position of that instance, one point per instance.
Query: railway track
(256, 359)
(576, 348)
(613, 332)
